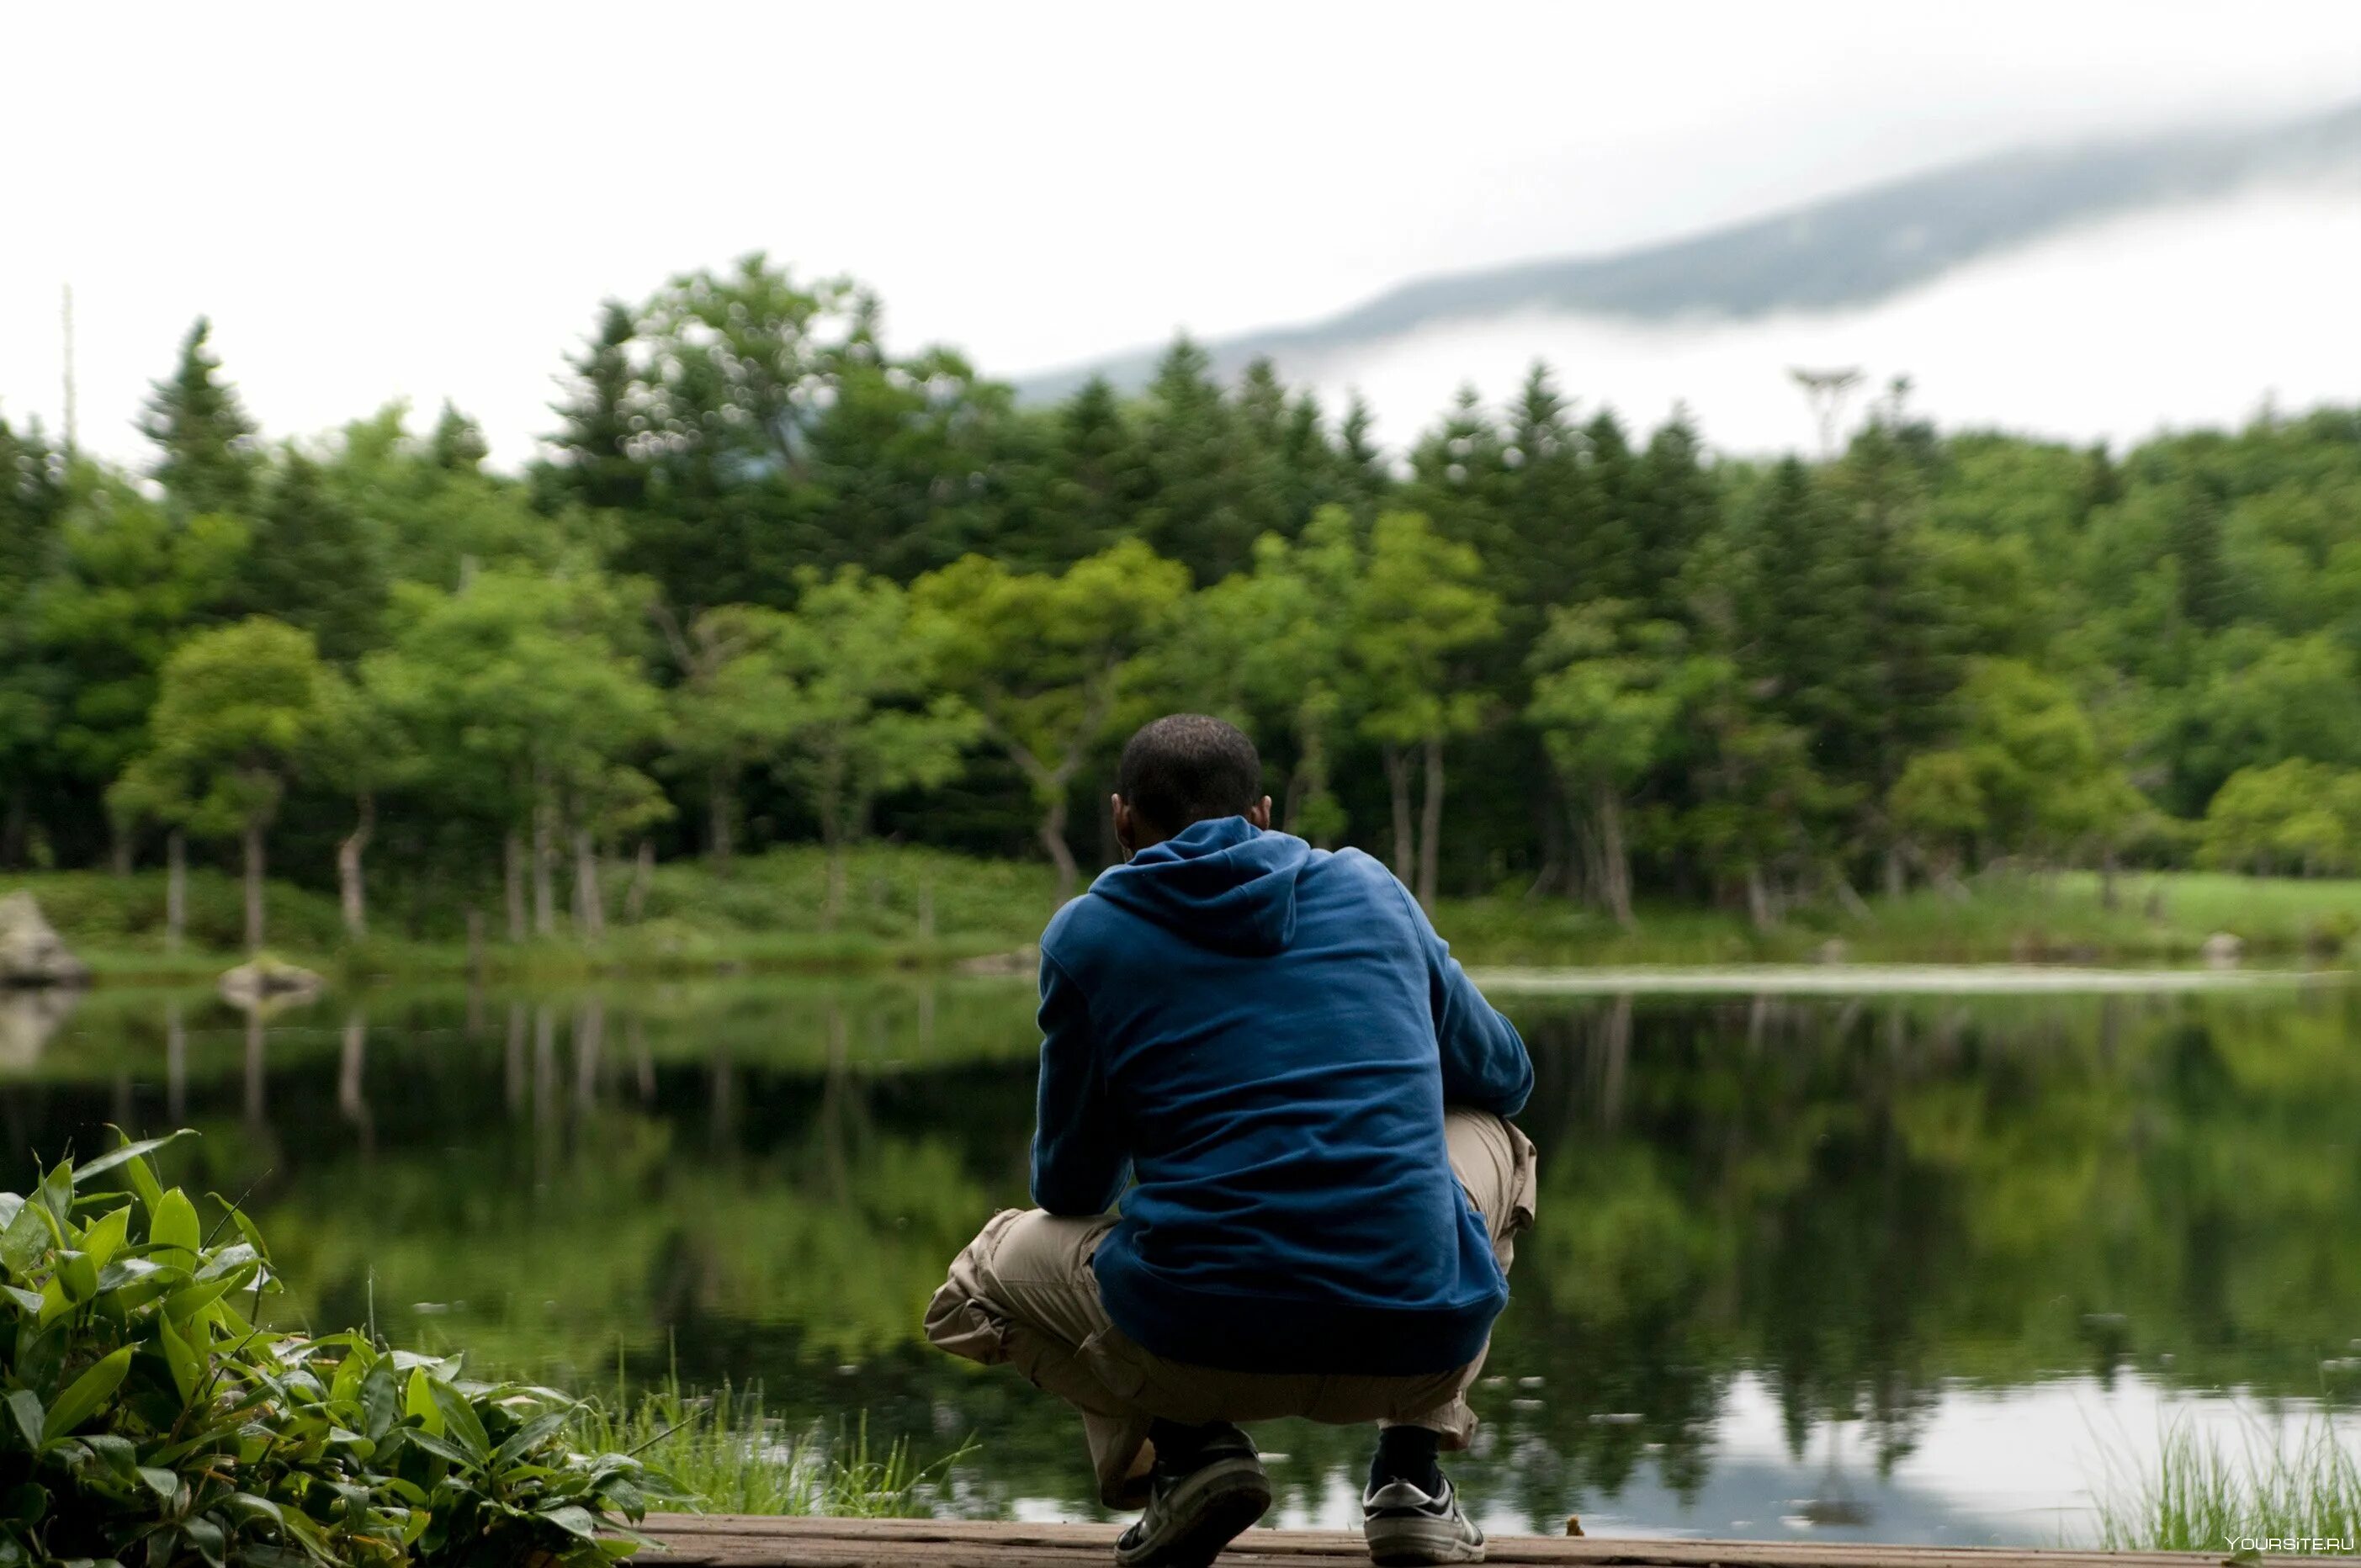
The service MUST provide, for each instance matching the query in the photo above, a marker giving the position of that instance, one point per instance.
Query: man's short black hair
(1188, 768)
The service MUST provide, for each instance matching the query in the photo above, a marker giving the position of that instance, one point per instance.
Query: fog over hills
(2092, 291)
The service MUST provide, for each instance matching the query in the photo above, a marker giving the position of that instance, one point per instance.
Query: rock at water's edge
(265, 982)
(31, 952)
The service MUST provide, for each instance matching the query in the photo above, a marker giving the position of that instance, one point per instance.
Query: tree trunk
(512, 877)
(1614, 860)
(2109, 898)
(257, 1071)
(350, 890)
(253, 887)
(589, 901)
(352, 1077)
(719, 809)
(543, 869)
(176, 1064)
(176, 889)
(1581, 866)
(1841, 886)
(832, 832)
(643, 872)
(119, 850)
(14, 828)
(1758, 898)
(1430, 826)
(1053, 840)
(1398, 785)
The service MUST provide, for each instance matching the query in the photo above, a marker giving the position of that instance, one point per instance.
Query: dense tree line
(773, 582)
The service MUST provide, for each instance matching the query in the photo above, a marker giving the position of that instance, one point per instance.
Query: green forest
(771, 584)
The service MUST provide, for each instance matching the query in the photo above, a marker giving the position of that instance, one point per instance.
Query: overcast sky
(429, 201)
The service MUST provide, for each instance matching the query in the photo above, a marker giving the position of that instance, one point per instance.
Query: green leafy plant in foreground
(149, 1419)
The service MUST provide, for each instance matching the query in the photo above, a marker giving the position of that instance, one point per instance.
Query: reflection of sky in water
(1754, 1213)
(2016, 1467)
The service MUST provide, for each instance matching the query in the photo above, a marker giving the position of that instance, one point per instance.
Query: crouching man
(1266, 1053)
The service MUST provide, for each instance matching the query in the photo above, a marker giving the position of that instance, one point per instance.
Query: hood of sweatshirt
(1224, 885)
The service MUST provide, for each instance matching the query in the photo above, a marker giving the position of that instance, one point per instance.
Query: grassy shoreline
(923, 910)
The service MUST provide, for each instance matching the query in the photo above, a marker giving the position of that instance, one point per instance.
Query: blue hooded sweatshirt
(1265, 1034)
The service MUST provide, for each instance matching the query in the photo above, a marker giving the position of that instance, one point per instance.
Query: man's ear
(1122, 824)
(1259, 812)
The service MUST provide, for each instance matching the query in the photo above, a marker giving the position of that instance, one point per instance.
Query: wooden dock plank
(739, 1540)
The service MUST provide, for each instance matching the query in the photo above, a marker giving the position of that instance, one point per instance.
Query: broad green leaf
(574, 1520)
(26, 1300)
(25, 1408)
(78, 1273)
(225, 1260)
(85, 1395)
(57, 1194)
(188, 1369)
(190, 1300)
(441, 1447)
(248, 1229)
(165, 1483)
(527, 1436)
(28, 1235)
(104, 1236)
(206, 1537)
(380, 1400)
(121, 1454)
(174, 1224)
(460, 1421)
(418, 1399)
(129, 1153)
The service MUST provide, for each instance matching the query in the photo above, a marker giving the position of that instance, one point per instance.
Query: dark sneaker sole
(1208, 1511)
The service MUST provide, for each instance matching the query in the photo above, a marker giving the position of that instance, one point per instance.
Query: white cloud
(430, 199)
(2195, 316)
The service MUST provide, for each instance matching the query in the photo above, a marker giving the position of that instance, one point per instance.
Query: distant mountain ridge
(1847, 250)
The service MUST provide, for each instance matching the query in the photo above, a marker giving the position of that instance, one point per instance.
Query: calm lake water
(1892, 1269)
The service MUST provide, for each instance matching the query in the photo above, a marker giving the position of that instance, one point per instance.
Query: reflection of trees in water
(1858, 1200)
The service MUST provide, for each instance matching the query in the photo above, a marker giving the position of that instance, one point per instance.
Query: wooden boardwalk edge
(745, 1541)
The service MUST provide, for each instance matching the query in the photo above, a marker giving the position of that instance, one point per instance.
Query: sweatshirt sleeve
(1484, 1062)
(1079, 1164)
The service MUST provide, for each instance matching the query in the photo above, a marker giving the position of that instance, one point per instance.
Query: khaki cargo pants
(1022, 1293)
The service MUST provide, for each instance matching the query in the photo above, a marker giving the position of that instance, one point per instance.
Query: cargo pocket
(957, 1320)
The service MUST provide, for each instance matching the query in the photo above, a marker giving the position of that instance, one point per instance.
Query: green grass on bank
(900, 906)
(739, 1459)
(914, 907)
(2156, 917)
(2199, 1494)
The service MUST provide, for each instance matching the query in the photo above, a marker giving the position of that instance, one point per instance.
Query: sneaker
(1192, 1513)
(1406, 1525)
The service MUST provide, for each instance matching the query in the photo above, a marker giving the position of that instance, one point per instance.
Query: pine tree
(312, 563)
(1190, 440)
(458, 443)
(207, 458)
(1366, 477)
(594, 439)
(2196, 546)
